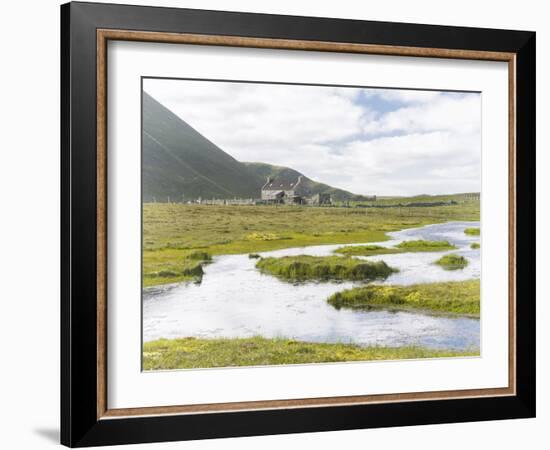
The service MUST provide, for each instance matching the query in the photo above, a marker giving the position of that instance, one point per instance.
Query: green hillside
(180, 163)
(284, 173)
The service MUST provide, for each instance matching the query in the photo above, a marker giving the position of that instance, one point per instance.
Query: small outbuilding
(320, 199)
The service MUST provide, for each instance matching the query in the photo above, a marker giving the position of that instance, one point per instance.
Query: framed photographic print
(277, 224)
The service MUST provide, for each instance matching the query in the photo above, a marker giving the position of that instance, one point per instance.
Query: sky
(364, 140)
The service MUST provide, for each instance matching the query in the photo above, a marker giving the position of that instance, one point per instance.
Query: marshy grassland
(173, 231)
(403, 247)
(454, 297)
(180, 239)
(323, 268)
(189, 353)
(452, 262)
(187, 268)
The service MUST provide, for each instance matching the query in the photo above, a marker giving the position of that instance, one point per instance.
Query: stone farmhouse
(293, 192)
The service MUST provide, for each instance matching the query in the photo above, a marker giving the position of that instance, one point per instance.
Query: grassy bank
(187, 268)
(303, 267)
(171, 231)
(452, 262)
(457, 297)
(403, 247)
(189, 353)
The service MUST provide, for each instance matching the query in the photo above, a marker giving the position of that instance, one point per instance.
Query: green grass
(403, 247)
(200, 256)
(188, 267)
(456, 297)
(474, 245)
(389, 201)
(425, 246)
(190, 353)
(472, 231)
(366, 250)
(303, 267)
(452, 262)
(172, 231)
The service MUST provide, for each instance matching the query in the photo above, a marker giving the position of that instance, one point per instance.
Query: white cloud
(364, 140)
(434, 162)
(461, 114)
(404, 95)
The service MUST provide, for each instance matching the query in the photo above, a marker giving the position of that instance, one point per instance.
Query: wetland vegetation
(172, 231)
(180, 239)
(189, 353)
(472, 231)
(403, 247)
(187, 268)
(323, 268)
(452, 262)
(455, 297)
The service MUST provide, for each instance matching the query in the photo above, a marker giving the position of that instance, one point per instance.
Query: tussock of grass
(366, 250)
(452, 262)
(472, 231)
(403, 247)
(254, 256)
(190, 353)
(456, 297)
(474, 245)
(303, 267)
(425, 246)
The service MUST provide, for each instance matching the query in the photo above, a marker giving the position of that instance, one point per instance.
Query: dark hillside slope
(180, 163)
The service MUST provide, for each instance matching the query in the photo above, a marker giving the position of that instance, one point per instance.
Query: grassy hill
(180, 163)
(284, 173)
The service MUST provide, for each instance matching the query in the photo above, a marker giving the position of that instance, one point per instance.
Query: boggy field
(180, 239)
(173, 233)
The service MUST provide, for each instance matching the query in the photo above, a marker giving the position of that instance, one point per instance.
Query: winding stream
(236, 300)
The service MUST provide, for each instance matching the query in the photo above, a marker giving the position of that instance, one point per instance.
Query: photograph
(296, 224)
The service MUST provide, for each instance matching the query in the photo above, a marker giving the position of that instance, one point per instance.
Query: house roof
(281, 184)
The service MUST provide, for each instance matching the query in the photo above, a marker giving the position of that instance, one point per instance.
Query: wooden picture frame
(86, 418)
